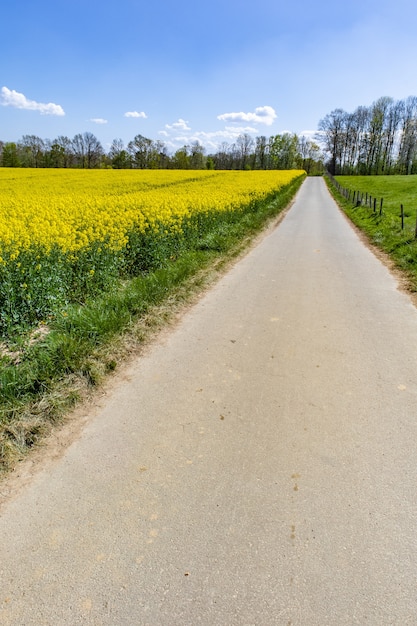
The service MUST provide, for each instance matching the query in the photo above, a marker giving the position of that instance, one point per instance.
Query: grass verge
(385, 230)
(45, 374)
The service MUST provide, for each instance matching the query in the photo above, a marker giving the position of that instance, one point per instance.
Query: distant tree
(392, 123)
(311, 159)
(181, 160)
(31, 151)
(78, 149)
(332, 128)
(118, 155)
(196, 157)
(261, 153)
(10, 155)
(158, 155)
(244, 145)
(355, 126)
(87, 150)
(407, 152)
(94, 150)
(379, 139)
(283, 151)
(222, 158)
(140, 150)
(55, 156)
(62, 148)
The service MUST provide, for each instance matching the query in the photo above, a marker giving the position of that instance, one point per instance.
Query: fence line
(363, 199)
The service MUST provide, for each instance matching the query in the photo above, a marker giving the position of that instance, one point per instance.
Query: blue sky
(188, 70)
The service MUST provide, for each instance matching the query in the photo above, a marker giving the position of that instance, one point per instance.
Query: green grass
(42, 376)
(385, 231)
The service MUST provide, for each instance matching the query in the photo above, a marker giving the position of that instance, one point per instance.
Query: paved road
(257, 467)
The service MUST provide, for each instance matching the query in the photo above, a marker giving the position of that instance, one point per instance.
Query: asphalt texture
(257, 466)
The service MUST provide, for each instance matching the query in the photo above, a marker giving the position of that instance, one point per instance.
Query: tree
(181, 160)
(118, 155)
(393, 121)
(222, 158)
(196, 158)
(158, 157)
(94, 150)
(283, 151)
(62, 149)
(332, 129)
(78, 149)
(31, 150)
(310, 155)
(261, 153)
(87, 150)
(56, 156)
(356, 124)
(244, 144)
(408, 145)
(140, 149)
(10, 155)
(375, 143)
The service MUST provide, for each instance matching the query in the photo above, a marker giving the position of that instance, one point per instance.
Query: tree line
(378, 139)
(285, 151)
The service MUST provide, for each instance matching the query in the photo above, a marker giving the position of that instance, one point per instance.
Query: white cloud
(179, 133)
(309, 134)
(136, 114)
(182, 139)
(12, 98)
(229, 134)
(180, 125)
(98, 120)
(261, 115)
(240, 130)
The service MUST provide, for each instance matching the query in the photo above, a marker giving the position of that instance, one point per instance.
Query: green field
(388, 231)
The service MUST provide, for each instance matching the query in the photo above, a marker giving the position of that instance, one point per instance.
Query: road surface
(258, 466)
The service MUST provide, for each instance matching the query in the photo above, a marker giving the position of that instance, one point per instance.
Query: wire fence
(360, 198)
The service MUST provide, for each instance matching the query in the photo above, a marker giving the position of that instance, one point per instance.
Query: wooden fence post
(380, 206)
(402, 217)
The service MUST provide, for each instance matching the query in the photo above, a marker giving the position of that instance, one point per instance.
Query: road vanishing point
(256, 466)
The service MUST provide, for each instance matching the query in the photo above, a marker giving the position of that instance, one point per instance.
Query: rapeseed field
(66, 235)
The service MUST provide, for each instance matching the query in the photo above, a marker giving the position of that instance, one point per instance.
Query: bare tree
(332, 128)
(244, 144)
(94, 150)
(62, 146)
(118, 154)
(140, 149)
(310, 155)
(87, 150)
(31, 151)
(160, 156)
(408, 144)
(261, 153)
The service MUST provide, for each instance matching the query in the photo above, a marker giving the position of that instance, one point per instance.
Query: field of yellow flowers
(66, 235)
